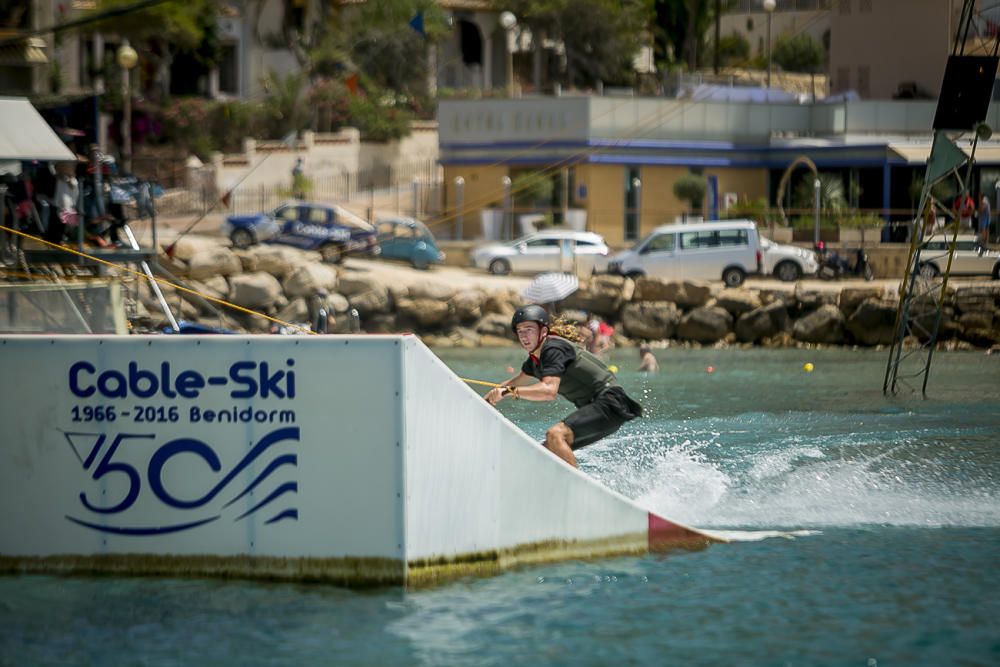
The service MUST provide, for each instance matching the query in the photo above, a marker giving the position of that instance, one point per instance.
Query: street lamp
(816, 188)
(508, 22)
(769, 6)
(127, 59)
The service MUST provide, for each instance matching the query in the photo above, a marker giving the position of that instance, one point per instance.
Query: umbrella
(551, 287)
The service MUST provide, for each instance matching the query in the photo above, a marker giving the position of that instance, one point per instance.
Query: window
(864, 80)
(317, 215)
(843, 79)
(287, 213)
(543, 243)
(587, 244)
(725, 238)
(660, 243)
(733, 237)
(229, 77)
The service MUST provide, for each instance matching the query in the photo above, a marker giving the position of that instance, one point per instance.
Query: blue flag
(417, 23)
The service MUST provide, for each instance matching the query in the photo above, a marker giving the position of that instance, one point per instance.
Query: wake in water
(753, 471)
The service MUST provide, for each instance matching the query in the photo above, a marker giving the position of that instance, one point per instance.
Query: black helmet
(530, 313)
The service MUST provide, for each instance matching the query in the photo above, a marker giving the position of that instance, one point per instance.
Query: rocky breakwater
(283, 283)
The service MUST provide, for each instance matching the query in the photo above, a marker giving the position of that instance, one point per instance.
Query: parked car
(545, 251)
(728, 249)
(409, 240)
(969, 260)
(332, 230)
(786, 262)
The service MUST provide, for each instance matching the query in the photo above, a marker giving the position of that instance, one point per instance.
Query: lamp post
(769, 6)
(459, 203)
(507, 227)
(508, 22)
(816, 188)
(127, 59)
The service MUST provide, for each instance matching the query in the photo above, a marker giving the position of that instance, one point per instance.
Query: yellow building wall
(605, 200)
(483, 188)
(746, 183)
(659, 204)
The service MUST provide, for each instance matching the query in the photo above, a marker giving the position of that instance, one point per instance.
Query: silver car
(545, 251)
(786, 262)
(969, 260)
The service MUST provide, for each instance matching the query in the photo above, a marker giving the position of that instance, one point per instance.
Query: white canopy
(24, 134)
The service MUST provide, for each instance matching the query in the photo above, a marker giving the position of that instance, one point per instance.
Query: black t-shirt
(556, 354)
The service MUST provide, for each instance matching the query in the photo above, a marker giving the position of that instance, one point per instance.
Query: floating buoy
(510, 369)
(709, 369)
(807, 367)
(613, 368)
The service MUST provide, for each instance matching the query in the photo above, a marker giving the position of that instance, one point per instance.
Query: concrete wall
(264, 456)
(483, 188)
(893, 41)
(605, 202)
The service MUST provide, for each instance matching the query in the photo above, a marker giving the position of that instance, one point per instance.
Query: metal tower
(962, 107)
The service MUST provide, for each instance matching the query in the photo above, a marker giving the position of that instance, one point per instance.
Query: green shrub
(378, 121)
(691, 188)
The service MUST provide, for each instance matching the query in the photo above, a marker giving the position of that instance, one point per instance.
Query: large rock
(763, 322)
(602, 295)
(186, 247)
(307, 279)
(426, 313)
(705, 324)
(498, 304)
(650, 320)
(824, 325)
(852, 297)
(977, 298)
(213, 261)
(738, 301)
(260, 291)
(807, 300)
(380, 323)
(366, 293)
(277, 260)
(686, 294)
(495, 324)
(468, 305)
(431, 289)
(297, 310)
(873, 322)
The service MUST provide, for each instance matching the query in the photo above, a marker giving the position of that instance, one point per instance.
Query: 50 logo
(100, 462)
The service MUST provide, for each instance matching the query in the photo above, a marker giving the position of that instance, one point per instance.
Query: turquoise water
(895, 558)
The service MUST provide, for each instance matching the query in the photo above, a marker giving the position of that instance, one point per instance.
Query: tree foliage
(798, 53)
(691, 188)
(600, 37)
(679, 30)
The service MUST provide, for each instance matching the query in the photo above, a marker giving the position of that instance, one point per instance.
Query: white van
(726, 249)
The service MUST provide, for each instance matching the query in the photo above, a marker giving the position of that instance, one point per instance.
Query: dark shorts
(604, 416)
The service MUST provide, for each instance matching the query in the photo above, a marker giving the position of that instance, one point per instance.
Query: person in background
(558, 366)
(964, 208)
(647, 362)
(985, 213)
(299, 179)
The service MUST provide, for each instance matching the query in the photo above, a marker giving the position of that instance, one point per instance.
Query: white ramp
(360, 460)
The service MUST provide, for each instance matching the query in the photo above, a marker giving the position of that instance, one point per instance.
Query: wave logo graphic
(100, 461)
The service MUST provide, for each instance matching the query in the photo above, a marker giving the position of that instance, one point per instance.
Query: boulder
(297, 310)
(705, 324)
(216, 286)
(602, 295)
(823, 325)
(259, 291)
(873, 322)
(431, 289)
(468, 305)
(761, 323)
(247, 259)
(686, 294)
(277, 260)
(214, 261)
(807, 300)
(852, 297)
(380, 323)
(307, 279)
(498, 304)
(495, 324)
(366, 293)
(976, 298)
(186, 247)
(650, 320)
(426, 313)
(738, 301)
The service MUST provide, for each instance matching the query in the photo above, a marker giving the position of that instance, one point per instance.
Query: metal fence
(412, 188)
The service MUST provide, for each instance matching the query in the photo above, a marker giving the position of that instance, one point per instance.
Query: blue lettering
(189, 383)
(74, 372)
(135, 379)
(251, 384)
(112, 384)
(165, 380)
(269, 383)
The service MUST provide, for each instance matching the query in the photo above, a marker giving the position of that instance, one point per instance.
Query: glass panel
(661, 243)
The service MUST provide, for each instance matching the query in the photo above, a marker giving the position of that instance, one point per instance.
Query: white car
(969, 259)
(786, 262)
(545, 251)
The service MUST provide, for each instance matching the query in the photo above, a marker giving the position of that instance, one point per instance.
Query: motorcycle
(833, 266)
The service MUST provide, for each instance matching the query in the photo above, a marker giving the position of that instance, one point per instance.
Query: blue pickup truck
(332, 230)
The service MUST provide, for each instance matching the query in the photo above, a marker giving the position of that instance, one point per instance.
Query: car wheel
(928, 271)
(788, 271)
(733, 277)
(332, 253)
(241, 239)
(419, 263)
(499, 267)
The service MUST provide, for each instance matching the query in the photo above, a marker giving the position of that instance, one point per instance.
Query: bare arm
(546, 390)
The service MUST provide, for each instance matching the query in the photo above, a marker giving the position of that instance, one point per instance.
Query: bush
(799, 53)
(378, 122)
(691, 188)
(734, 50)
(531, 188)
(330, 101)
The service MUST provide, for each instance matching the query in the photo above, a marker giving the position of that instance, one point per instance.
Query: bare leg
(558, 440)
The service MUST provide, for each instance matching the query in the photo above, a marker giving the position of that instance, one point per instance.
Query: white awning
(917, 153)
(24, 134)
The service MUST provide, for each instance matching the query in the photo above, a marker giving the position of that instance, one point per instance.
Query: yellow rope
(485, 384)
(140, 274)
